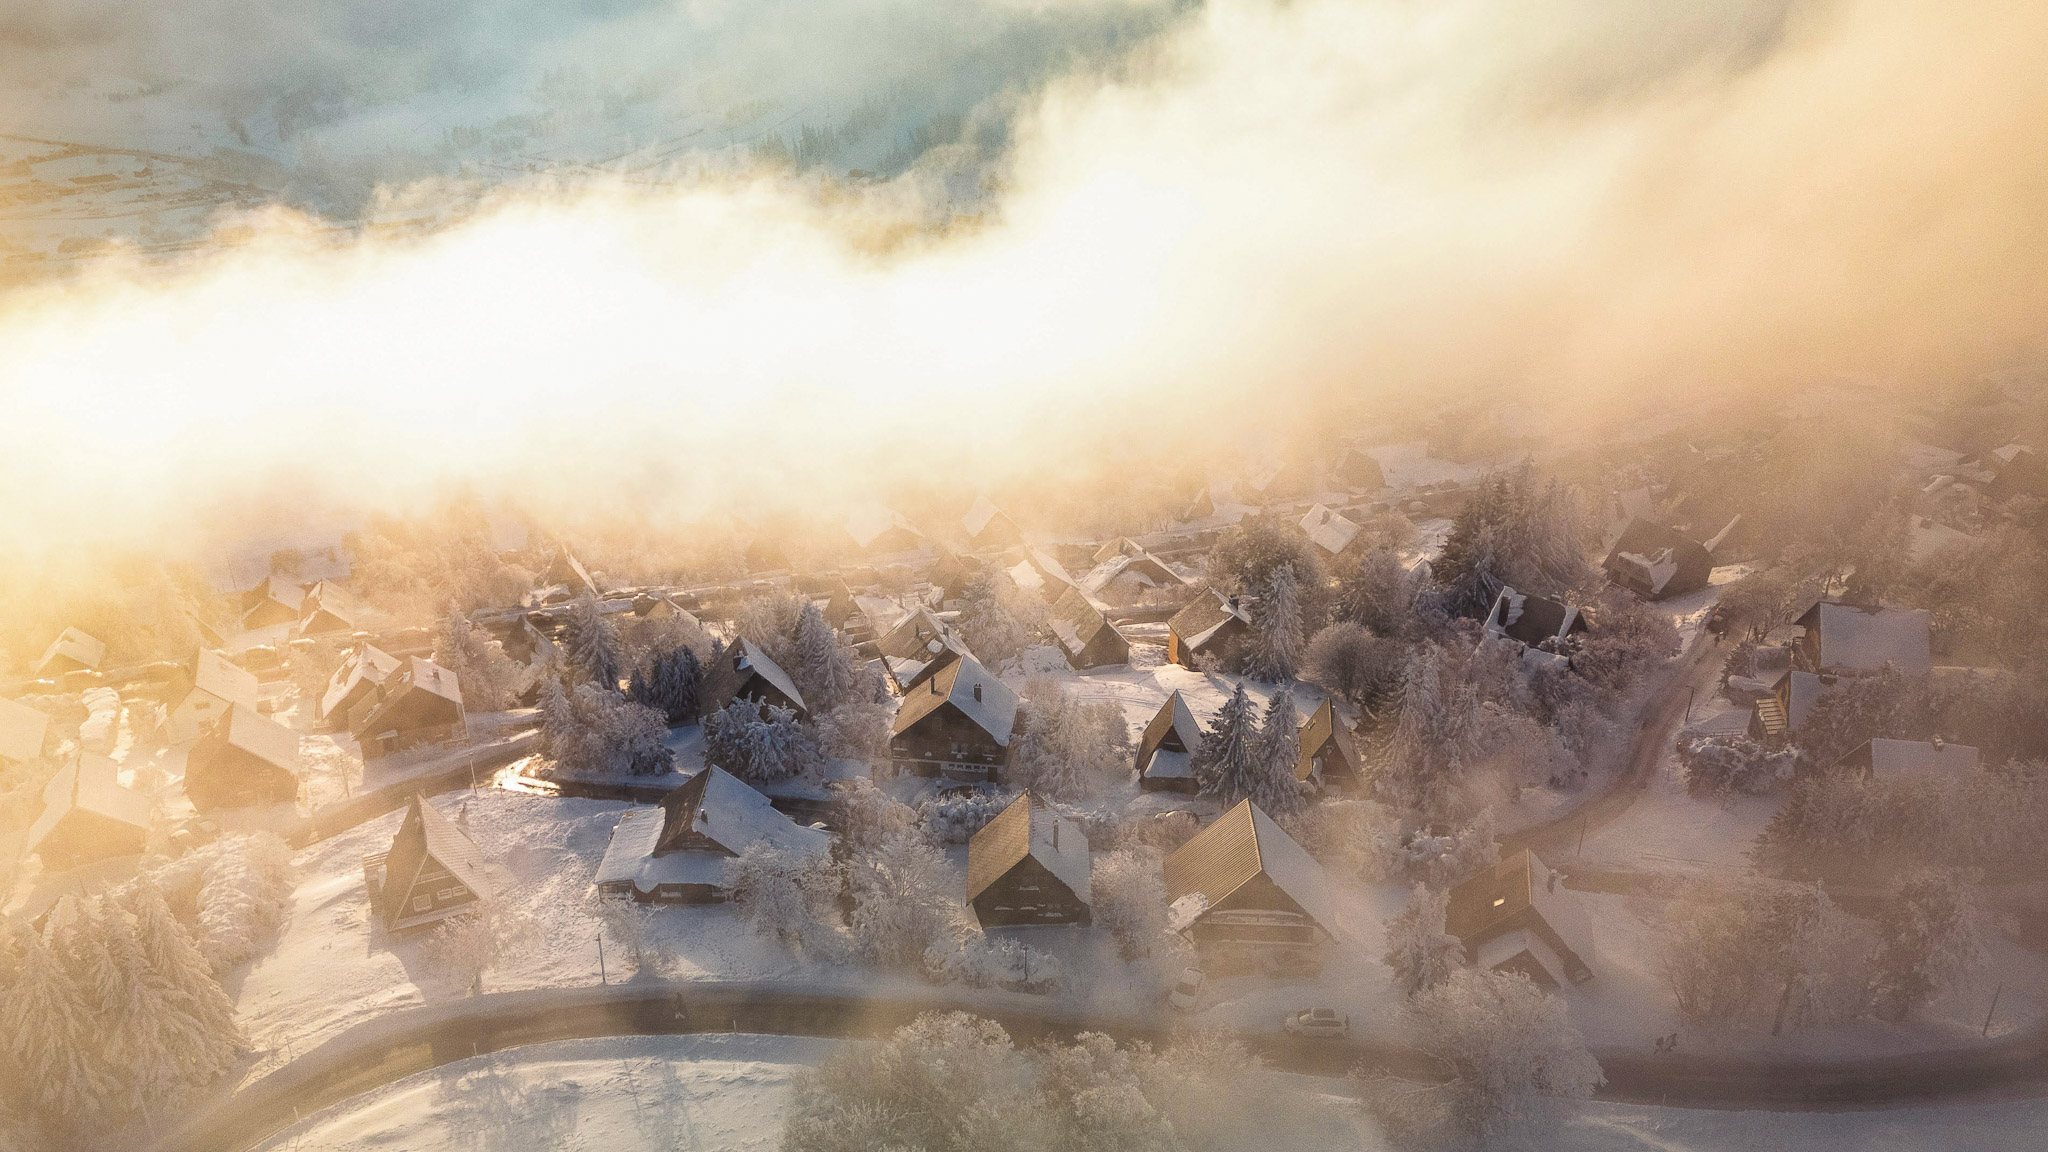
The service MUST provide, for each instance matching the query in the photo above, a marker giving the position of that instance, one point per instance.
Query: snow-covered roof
(978, 515)
(918, 636)
(1531, 619)
(1890, 759)
(1076, 621)
(223, 679)
(1047, 569)
(748, 657)
(723, 809)
(966, 685)
(1023, 828)
(368, 664)
(332, 599)
(428, 676)
(88, 783)
(1328, 530)
(1241, 845)
(882, 613)
(426, 834)
(261, 737)
(1198, 622)
(21, 730)
(867, 524)
(74, 645)
(1931, 538)
(1866, 639)
(1174, 719)
(1410, 465)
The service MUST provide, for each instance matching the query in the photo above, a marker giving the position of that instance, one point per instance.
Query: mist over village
(1023, 575)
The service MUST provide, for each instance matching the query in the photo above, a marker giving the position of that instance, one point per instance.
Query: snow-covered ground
(730, 1092)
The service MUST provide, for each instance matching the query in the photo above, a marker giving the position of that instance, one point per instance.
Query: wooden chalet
(22, 731)
(71, 651)
(88, 816)
(1085, 634)
(1329, 753)
(329, 609)
(661, 606)
(1041, 572)
(1259, 890)
(1166, 749)
(1656, 562)
(1211, 624)
(952, 572)
(275, 600)
(676, 853)
(2016, 471)
(432, 871)
(1356, 470)
(566, 570)
(987, 528)
(1273, 480)
(878, 531)
(204, 691)
(1028, 866)
(355, 680)
(873, 617)
(746, 673)
(1330, 532)
(1540, 625)
(1849, 638)
(1783, 709)
(1514, 917)
(243, 759)
(1123, 576)
(1880, 759)
(418, 703)
(957, 724)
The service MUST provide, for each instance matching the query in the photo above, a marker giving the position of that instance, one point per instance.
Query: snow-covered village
(1113, 575)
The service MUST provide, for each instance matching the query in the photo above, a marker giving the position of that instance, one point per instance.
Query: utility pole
(601, 977)
(1994, 1007)
(1689, 693)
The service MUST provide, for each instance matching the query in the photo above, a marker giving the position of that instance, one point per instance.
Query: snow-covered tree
(1226, 766)
(904, 899)
(671, 683)
(171, 951)
(769, 621)
(591, 644)
(50, 1033)
(1378, 594)
(945, 1083)
(1760, 944)
(1516, 532)
(1926, 941)
(1424, 770)
(238, 890)
(1722, 766)
(1508, 1043)
(757, 748)
(491, 680)
(1355, 665)
(978, 960)
(625, 922)
(1068, 747)
(1419, 951)
(470, 944)
(589, 731)
(821, 668)
(1276, 754)
(995, 622)
(1278, 629)
(1130, 901)
(790, 896)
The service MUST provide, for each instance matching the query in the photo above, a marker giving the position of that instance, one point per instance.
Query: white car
(1318, 1022)
(1185, 990)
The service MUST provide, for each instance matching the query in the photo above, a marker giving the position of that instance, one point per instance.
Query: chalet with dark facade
(355, 680)
(1538, 624)
(1849, 638)
(275, 600)
(1358, 471)
(204, 691)
(432, 871)
(1211, 624)
(419, 703)
(988, 528)
(746, 673)
(1085, 634)
(1329, 753)
(1259, 891)
(676, 853)
(88, 816)
(1166, 749)
(566, 570)
(1028, 866)
(1656, 562)
(956, 724)
(329, 609)
(1515, 917)
(243, 759)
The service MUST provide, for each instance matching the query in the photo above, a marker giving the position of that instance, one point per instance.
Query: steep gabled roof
(1027, 828)
(1866, 639)
(367, 664)
(1323, 725)
(723, 809)
(223, 679)
(868, 524)
(1203, 616)
(75, 645)
(1241, 845)
(1173, 718)
(746, 656)
(1076, 621)
(918, 636)
(88, 783)
(22, 729)
(993, 709)
(261, 737)
(426, 834)
(1328, 530)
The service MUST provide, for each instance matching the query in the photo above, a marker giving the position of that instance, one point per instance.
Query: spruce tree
(593, 644)
(1278, 630)
(49, 1034)
(1227, 765)
(1279, 750)
(822, 673)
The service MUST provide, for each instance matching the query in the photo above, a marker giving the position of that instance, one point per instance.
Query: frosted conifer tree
(490, 679)
(593, 644)
(758, 748)
(1278, 640)
(671, 684)
(1419, 951)
(50, 1036)
(1227, 765)
(172, 953)
(989, 624)
(822, 672)
(1274, 788)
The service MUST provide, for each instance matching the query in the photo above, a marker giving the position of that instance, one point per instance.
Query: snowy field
(728, 1092)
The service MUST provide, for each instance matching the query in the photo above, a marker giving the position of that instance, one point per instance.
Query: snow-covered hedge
(955, 819)
(980, 961)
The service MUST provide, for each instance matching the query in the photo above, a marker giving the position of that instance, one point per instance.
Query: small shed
(957, 724)
(419, 703)
(71, 651)
(355, 680)
(1166, 749)
(1210, 624)
(1330, 532)
(22, 730)
(1329, 752)
(1853, 638)
(88, 816)
(1085, 634)
(243, 759)
(204, 691)
(1258, 890)
(987, 527)
(1514, 917)
(1533, 622)
(432, 871)
(1881, 759)
(676, 853)
(1028, 866)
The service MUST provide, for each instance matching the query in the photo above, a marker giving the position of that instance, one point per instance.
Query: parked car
(1186, 990)
(1319, 1022)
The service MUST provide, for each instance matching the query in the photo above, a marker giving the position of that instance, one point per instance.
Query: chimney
(977, 690)
(935, 685)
